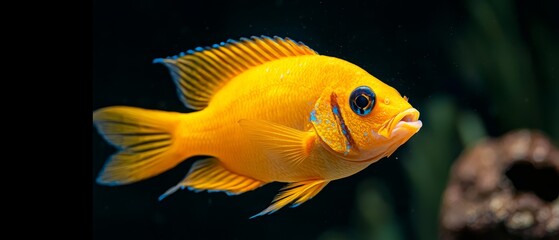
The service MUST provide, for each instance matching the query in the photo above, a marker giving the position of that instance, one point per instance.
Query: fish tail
(147, 141)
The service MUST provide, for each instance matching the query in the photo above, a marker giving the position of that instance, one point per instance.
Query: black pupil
(362, 101)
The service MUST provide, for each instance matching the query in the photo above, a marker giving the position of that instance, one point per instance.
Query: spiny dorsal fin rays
(200, 73)
(245, 47)
(187, 93)
(295, 194)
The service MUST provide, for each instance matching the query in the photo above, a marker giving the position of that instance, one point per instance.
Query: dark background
(491, 66)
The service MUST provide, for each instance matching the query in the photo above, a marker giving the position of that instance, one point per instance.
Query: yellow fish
(269, 109)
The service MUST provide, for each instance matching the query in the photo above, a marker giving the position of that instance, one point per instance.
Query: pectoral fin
(296, 194)
(280, 142)
(209, 174)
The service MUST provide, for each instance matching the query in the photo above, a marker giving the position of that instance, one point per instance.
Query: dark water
(472, 69)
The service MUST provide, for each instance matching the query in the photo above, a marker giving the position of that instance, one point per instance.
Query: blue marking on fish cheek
(335, 110)
(347, 148)
(313, 116)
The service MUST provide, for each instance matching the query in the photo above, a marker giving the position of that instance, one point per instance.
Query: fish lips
(406, 122)
(397, 130)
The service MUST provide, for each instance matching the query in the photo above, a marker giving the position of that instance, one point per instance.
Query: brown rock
(504, 188)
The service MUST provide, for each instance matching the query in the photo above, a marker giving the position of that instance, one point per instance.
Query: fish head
(361, 119)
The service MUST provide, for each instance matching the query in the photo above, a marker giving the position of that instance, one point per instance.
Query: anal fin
(295, 194)
(210, 175)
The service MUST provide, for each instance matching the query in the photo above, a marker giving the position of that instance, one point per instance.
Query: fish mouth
(398, 130)
(406, 121)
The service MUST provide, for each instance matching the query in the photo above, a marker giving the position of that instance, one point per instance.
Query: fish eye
(362, 100)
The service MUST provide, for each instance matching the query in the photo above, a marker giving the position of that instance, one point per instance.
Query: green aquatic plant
(507, 60)
(428, 160)
(512, 74)
(374, 216)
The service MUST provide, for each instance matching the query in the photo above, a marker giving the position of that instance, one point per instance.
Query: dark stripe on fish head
(350, 143)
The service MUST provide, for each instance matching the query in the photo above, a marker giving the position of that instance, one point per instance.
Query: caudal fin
(146, 140)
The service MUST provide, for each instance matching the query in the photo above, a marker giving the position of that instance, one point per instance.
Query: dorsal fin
(200, 73)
